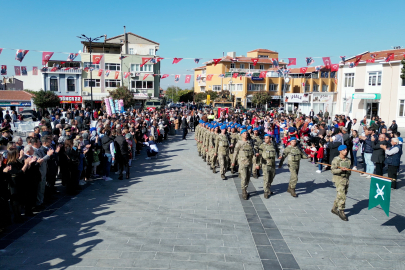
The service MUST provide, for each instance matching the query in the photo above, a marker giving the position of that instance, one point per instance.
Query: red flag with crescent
(303, 70)
(357, 61)
(100, 71)
(334, 67)
(164, 76)
(292, 61)
(145, 60)
(176, 60)
(117, 73)
(216, 61)
(263, 74)
(46, 56)
(255, 60)
(188, 79)
(327, 62)
(97, 59)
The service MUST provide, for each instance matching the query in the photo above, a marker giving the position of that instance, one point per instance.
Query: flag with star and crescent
(380, 194)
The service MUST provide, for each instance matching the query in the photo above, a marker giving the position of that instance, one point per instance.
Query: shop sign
(276, 97)
(322, 98)
(297, 98)
(70, 99)
(366, 96)
(257, 79)
(16, 103)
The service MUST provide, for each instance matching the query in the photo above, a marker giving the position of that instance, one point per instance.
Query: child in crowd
(312, 153)
(319, 155)
(153, 150)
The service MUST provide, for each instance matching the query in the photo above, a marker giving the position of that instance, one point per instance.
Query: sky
(204, 29)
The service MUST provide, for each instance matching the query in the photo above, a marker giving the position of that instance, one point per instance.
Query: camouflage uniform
(204, 143)
(341, 181)
(294, 156)
(234, 139)
(211, 149)
(257, 142)
(268, 158)
(222, 151)
(244, 154)
(197, 136)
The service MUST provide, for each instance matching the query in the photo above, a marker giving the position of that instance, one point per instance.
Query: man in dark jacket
(394, 127)
(122, 154)
(52, 165)
(184, 126)
(378, 156)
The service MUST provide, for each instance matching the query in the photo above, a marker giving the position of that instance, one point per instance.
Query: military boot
(255, 174)
(394, 184)
(258, 173)
(245, 194)
(232, 170)
(223, 177)
(342, 215)
(214, 170)
(199, 154)
(335, 210)
(266, 195)
(291, 191)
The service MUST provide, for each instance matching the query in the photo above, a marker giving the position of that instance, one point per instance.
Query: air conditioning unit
(133, 74)
(85, 93)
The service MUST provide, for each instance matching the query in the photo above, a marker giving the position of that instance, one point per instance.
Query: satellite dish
(287, 80)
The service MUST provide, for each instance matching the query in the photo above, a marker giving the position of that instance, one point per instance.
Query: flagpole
(357, 171)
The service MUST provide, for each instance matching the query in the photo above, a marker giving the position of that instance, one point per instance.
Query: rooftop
(248, 60)
(263, 50)
(103, 44)
(130, 33)
(15, 95)
(399, 54)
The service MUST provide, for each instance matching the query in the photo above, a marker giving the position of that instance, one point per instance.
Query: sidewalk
(174, 213)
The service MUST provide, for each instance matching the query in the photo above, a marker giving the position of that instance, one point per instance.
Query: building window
(256, 87)
(144, 68)
(273, 87)
(324, 74)
(401, 108)
(111, 66)
(261, 67)
(89, 65)
(251, 66)
(349, 79)
(131, 50)
(94, 83)
(403, 82)
(232, 65)
(263, 56)
(235, 87)
(71, 84)
(242, 66)
(315, 88)
(216, 88)
(142, 84)
(324, 88)
(203, 72)
(53, 82)
(307, 87)
(112, 83)
(332, 74)
(151, 51)
(202, 88)
(315, 75)
(374, 78)
(287, 87)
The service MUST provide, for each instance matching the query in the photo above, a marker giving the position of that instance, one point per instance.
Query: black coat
(121, 149)
(184, 123)
(378, 155)
(334, 152)
(394, 128)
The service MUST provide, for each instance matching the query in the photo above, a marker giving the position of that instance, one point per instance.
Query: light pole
(90, 40)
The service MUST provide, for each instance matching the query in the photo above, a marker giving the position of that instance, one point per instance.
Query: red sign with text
(70, 99)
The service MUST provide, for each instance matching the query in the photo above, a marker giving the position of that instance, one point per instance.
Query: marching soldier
(244, 154)
(204, 142)
(294, 156)
(268, 157)
(222, 151)
(234, 139)
(340, 166)
(196, 136)
(257, 141)
(213, 158)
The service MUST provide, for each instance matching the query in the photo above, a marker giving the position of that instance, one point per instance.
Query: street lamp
(90, 40)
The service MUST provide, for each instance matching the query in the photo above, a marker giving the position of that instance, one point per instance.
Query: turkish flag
(145, 76)
(327, 62)
(159, 59)
(209, 77)
(117, 73)
(334, 67)
(390, 56)
(34, 70)
(188, 78)
(126, 74)
(17, 71)
(216, 61)
(235, 75)
(46, 56)
(357, 61)
(97, 59)
(100, 71)
(1, 50)
(62, 63)
(164, 76)
(372, 60)
(176, 60)
(303, 70)
(54, 69)
(263, 74)
(292, 61)
(70, 68)
(145, 60)
(255, 60)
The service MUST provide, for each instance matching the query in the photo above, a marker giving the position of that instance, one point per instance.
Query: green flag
(380, 194)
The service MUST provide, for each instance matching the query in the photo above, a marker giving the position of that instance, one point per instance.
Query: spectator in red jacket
(319, 155)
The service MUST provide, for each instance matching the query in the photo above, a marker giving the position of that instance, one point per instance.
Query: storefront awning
(366, 96)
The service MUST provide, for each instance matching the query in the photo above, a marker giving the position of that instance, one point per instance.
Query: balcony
(245, 70)
(64, 71)
(203, 75)
(202, 83)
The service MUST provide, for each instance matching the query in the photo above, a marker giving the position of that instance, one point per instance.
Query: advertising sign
(297, 98)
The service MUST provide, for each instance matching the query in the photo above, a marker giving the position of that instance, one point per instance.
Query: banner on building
(188, 79)
(327, 62)
(145, 76)
(24, 71)
(380, 194)
(126, 74)
(17, 71)
(34, 70)
(70, 99)
(97, 59)
(100, 72)
(297, 98)
(117, 73)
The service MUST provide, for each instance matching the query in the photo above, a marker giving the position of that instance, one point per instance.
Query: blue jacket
(394, 160)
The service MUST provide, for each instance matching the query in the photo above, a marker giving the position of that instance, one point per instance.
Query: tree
(124, 94)
(403, 69)
(172, 92)
(200, 97)
(213, 94)
(261, 98)
(46, 99)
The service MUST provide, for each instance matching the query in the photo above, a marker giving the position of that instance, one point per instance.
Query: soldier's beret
(223, 127)
(342, 147)
(243, 127)
(255, 129)
(249, 127)
(243, 131)
(293, 139)
(267, 135)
